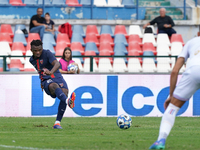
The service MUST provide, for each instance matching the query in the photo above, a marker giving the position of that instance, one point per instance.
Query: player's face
(36, 50)
(39, 12)
(67, 54)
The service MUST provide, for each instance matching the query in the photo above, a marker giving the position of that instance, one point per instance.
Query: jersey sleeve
(50, 56)
(185, 52)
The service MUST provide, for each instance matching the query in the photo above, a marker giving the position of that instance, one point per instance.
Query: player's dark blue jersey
(44, 61)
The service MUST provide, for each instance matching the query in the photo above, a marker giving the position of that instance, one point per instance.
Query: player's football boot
(158, 144)
(57, 126)
(71, 100)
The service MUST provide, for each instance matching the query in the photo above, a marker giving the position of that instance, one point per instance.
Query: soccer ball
(124, 121)
(72, 67)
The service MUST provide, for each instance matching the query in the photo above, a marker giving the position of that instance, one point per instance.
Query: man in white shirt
(188, 85)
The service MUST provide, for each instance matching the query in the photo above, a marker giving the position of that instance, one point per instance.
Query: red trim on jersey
(52, 76)
(38, 67)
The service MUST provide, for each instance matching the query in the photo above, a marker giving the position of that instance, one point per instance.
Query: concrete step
(174, 17)
(154, 3)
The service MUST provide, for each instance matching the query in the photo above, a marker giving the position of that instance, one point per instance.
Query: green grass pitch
(99, 133)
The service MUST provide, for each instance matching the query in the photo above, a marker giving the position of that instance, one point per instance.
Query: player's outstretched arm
(56, 66)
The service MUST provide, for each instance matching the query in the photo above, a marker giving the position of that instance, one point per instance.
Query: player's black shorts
(60, 81)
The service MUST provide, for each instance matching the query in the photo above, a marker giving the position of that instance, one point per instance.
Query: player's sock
(168, 120)
(57, 122)
(59, 94)
(61, 110)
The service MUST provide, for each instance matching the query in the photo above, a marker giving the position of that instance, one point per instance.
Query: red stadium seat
(135, 53)
(77, 46)
(16, 3)
(92, 29)
(63, 37)
(177, 38)
(61, 46)
(28, 47)
(16, 63)
(5, 37)
(18, 46)
(105, 38)
(92, 38)
(106, 46)
(91, 53)
(149, 47)
(72, 3)
(134, 47)
(121, 29)
(6, 28)
(1, 69)
(134, 38)
(105, 53)
(33, 36)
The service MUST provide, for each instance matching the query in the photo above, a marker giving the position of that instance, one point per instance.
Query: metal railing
(91, 59)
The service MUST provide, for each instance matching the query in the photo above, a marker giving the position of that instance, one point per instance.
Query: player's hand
(72, 72)
(166, 25)
(42, 87)
(167, 101)
(46, 71)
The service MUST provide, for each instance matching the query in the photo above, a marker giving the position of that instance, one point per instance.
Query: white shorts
(189, 84)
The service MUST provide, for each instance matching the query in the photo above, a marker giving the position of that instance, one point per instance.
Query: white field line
(29, 148)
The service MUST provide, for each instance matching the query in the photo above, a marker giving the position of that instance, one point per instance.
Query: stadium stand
(76, 46)
(6, 28)
(163, 66)
(134, 38)
(4, 2)
(92, 29)
(5, 37)
(120, 47)
(16, 3)
(149, 47)
(148, 65)
(5, 48)
(106, 53)
(30, 2)
(163, 38)
(49, 46)
(77, 38)
(16, 65)
(149, 37)
(78, 29)
(87, 65)
(20, 27)
(91, 46)
(134, 65)
(77, 53)
(60, 48)
(119, 65)
(72, 3)
(58, 2)
(85, 2)
(106, 38)
(114, 3)
(63, 37)
(120, 38)
(134, 46)
(18, 46)
(128, 3)
(120, 29)
(92, 38)
(47, 2)
(106, 29)
(105, 65)
(50, 38)
(91, 53)
(106, 46)
(135, 29)
(20, 38)
(101, 3)
(177, 38)
(33, 36)
(78, 61)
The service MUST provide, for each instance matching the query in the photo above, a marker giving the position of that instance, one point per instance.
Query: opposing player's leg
(167, 123)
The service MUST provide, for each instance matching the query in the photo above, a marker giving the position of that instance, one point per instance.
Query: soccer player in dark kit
(51, 79)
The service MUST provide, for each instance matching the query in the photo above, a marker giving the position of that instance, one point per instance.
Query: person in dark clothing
(37, 23)
(164, 23)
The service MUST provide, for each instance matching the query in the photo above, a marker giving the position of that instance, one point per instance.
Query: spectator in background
(37, 23)
(50, 25)
(66, 60)
(164, 23)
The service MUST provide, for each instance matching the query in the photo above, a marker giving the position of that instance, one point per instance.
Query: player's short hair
(47, 14)
(36, 43)
(67, 48)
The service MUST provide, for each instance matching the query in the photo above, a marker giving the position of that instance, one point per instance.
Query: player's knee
(53, 87)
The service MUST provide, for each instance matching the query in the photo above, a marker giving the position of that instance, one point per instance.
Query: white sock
(168, 120)
(57, 122)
